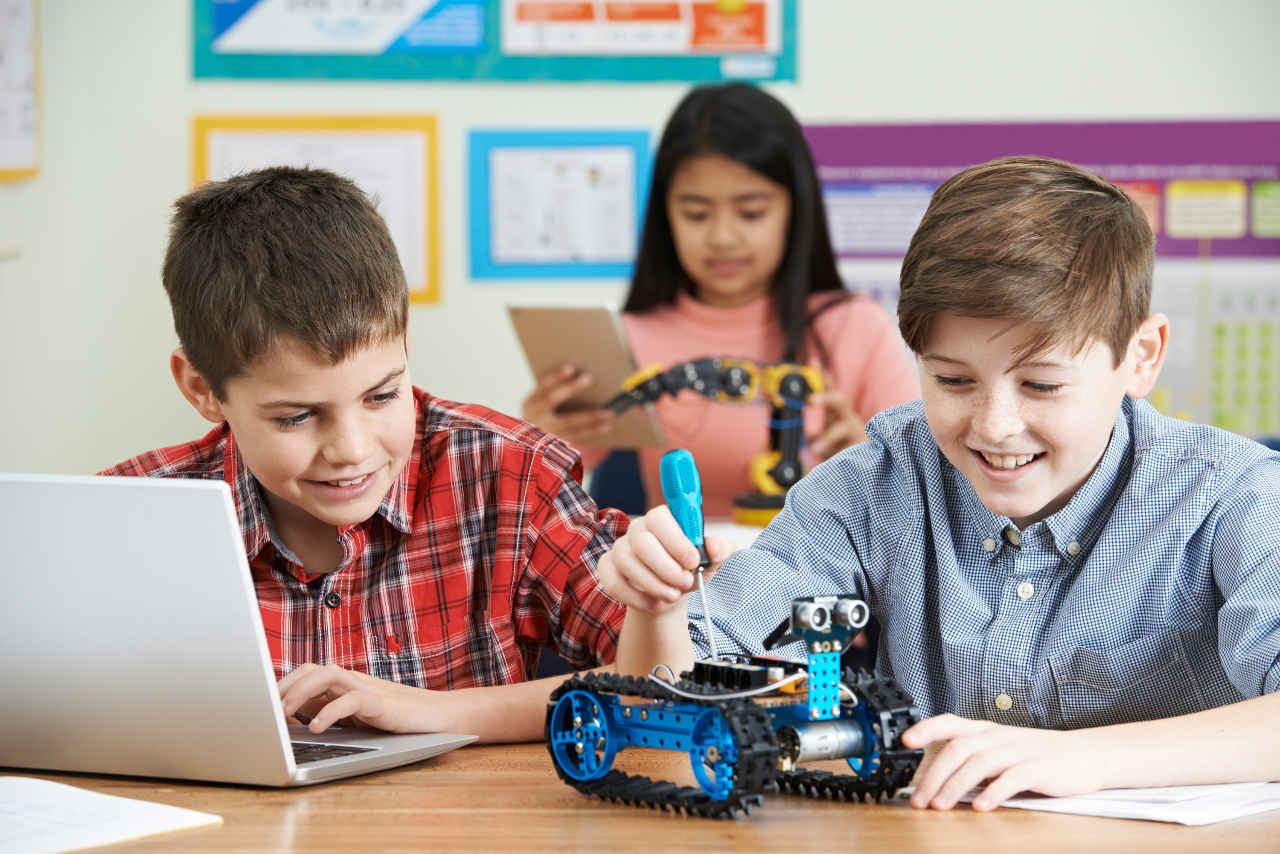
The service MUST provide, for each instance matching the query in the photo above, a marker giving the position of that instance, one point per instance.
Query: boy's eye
(951, 381)
(289, 421)
(386, 396)
(1045, 388)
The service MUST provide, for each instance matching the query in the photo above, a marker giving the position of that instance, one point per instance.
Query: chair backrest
(616, 482)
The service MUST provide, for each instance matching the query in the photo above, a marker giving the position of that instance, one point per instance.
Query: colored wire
(731, 695)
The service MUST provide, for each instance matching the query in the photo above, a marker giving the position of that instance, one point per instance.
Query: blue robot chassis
(747, 723)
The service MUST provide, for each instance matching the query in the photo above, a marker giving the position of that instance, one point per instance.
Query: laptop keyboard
(310, 751)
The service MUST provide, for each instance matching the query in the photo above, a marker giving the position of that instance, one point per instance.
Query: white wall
(85, 331)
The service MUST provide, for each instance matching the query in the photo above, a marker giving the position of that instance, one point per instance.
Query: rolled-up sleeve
(1246, 568)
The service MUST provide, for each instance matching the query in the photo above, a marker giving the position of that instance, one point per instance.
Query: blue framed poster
(641, 40)
(556, 204)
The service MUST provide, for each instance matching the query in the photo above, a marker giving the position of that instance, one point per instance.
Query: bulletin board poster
(394, 159)
(19, 91)
(556, 204)
(1211, 191)
(642, 40)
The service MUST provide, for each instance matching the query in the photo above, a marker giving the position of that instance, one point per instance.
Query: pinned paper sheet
(1193, 805)
(43, 816)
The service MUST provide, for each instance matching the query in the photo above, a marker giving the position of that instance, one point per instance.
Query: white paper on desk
(39, 816)
(1192, 805)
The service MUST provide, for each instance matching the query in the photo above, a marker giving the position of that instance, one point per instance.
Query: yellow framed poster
(19, 90)
(394, 159)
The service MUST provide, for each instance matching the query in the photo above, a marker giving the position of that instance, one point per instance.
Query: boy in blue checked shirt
(411, 555)
(1084, 593)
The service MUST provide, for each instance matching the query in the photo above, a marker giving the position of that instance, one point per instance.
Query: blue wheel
(581, 741)
(868, 762)
(714, 754)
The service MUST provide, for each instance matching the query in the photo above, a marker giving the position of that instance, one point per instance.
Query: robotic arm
(784, 385)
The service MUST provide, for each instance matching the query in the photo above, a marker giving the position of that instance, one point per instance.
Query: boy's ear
(1147, 350)
(194, 388)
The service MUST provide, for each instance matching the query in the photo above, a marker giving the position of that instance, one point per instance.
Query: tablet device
(590, 337)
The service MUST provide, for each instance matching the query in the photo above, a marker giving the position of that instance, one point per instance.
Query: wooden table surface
(508, 799)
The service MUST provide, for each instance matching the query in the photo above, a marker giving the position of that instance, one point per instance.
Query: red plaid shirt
(482, 553)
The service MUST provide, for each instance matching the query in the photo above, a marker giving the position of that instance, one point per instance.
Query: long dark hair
(750, 126)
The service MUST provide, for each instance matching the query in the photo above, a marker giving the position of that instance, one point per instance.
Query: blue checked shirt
(1154, 592)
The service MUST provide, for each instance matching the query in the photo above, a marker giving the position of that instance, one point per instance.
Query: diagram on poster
(688, 40)
(559, 203)
(1211, 191)
(393, 159)
(642, 28)
(562, 205)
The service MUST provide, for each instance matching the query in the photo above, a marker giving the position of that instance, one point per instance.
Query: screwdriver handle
(682, 489)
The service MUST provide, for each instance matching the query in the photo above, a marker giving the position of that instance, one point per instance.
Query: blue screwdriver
(682, 489)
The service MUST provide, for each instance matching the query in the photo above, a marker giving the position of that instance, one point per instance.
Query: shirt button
(1026, 590)
(332, 599)
(1004, 702)
(989, 544)
(1073, 548)
(1012, 536)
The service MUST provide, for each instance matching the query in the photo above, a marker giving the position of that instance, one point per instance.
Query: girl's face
(729, 224)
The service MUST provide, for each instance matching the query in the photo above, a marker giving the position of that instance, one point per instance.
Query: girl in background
(735, 260)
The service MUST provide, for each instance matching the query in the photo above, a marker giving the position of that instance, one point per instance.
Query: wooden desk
(509, 799)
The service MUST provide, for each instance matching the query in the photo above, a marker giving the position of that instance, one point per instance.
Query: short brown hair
(1033, 240)
(280, 252)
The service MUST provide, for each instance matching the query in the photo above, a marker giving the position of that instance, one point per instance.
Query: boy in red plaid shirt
(412, 556)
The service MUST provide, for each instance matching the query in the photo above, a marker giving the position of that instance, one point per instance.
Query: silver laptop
(131, 643)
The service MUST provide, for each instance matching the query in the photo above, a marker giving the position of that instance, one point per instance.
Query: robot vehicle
(747, 723)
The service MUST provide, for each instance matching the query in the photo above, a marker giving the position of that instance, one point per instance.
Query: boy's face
(325, 441)
(1026, 435)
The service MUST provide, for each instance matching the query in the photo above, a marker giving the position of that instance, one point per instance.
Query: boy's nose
(348, 443)
(997, 418)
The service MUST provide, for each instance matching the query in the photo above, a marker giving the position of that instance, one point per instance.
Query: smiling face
(1027, 434)
(729, 224)
(325, 441)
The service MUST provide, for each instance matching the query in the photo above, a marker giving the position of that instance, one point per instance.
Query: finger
(653, 563)
(1015, 779)
(557, 376)
(672, 537)
(327, 681)
(978, 767)
(564, 392)
(346, 706)
(294, 675)
(948, 759)
(585, 423)
(938, 728)
(635, 583)
(718, 549)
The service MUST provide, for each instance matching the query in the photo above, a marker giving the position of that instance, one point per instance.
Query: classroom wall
(86, 329)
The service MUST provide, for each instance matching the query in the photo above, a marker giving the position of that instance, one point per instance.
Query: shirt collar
(256, 526)
(1084, 516)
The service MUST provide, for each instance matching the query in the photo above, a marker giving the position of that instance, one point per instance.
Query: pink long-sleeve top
(867, 361)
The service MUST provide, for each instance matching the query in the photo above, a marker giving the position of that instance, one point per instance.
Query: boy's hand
(964, 753)
(581, 427)
(328, 694)
(841, 426)
(653, 566)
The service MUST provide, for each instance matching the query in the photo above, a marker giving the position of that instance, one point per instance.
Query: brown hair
(280, 252)
(1034, 240)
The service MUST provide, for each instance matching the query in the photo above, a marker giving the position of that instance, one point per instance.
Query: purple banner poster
(1209, 188)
